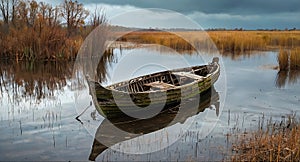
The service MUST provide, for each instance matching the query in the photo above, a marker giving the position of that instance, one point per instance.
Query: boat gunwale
(196, 81)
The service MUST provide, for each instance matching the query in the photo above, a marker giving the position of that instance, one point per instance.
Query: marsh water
(39, 103)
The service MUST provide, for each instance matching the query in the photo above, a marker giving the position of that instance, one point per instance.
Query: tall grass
(275, 142)
(243, 41)
(158, 37)
(289, 59)
(226, 41)
(295, 58)
(283, 59)
(238, 41)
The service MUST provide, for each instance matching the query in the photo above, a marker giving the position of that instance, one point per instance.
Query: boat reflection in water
(132, 127)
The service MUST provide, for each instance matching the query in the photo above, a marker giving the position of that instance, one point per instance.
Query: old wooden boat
(113, 131)
(162, 89)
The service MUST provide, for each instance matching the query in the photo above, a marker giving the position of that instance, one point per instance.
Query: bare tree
(14, 4)
(8, 10)
(49, 14)
(4, 7)
(33, 11)
(74, 13)
(98, 17)
(22, 11)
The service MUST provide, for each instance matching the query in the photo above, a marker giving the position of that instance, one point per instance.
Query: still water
(39, 103)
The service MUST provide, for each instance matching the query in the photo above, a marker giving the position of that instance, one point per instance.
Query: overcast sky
(248, 14)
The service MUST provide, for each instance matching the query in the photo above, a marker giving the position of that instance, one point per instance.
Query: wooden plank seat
(160, 85)
(189, 75)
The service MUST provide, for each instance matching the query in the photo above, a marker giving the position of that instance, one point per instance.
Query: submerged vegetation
(273, 142)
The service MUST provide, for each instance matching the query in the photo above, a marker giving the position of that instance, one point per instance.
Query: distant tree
(4, 7)
(48, 15)
(98, 17)
(22, 11)
(74, 13)
(8, 10)
(13, 12)
(33, 12)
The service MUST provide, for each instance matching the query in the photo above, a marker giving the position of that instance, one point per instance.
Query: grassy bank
(245, 41)
(160, 38)
(226, 41)
(233, 43)
(274, 142)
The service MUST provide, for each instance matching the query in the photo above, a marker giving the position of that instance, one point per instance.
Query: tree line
(40, 31)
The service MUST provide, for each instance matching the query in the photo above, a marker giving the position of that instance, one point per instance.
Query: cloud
(255, 21)
(110, 10)
(154, 18)
(248, 14)
(241, 7)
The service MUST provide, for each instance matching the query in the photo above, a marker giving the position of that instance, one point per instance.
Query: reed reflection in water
(289, 67)
(285, 77)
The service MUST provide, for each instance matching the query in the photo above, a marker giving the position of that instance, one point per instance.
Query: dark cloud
(240, 7)
(271, 21)
(248, 14)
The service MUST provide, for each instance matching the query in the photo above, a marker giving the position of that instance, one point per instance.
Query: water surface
(38, 106)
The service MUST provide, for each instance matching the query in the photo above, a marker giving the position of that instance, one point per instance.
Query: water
(37, 112)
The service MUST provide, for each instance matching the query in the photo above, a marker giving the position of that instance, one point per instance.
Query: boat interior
(163, 80)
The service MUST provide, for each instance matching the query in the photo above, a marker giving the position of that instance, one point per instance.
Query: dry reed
(295, 59)
(289, 59)
(157, 37)
(277, 142)
(283, 59)
(225, 41)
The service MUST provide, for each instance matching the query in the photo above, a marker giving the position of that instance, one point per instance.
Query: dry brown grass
(289, 59)
(226, 41)
(156, 37)
(238, 41)
(277, 142)
(295, 59)
(283, 59)
(50, 43)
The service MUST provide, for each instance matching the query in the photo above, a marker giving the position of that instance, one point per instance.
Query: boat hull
(111, 103)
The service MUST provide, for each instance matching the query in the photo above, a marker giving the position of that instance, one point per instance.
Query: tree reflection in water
(34, 80)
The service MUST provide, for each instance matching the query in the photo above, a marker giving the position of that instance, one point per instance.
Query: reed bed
(289, 59)
(295, 59)
(274, 142)
(160, 38)
(283, 59)
(225, 41)
(238, 41)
